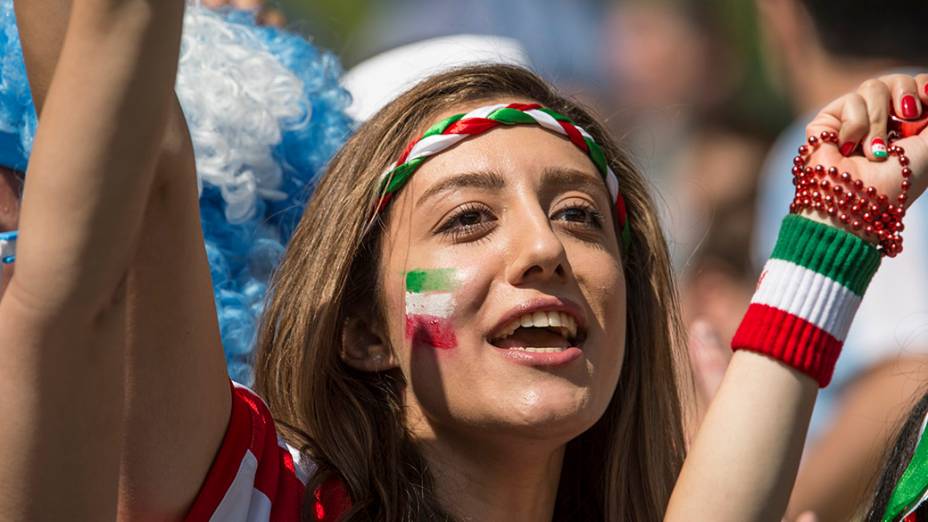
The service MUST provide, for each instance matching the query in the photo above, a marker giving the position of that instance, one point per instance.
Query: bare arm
(840, 470)
(177, 396)
(62, 319)
(744, 460)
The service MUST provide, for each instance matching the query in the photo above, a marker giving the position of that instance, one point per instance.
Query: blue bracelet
(8, 246)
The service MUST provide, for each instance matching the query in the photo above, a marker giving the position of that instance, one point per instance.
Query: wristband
(807, 296)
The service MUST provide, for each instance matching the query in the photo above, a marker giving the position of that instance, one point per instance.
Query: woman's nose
(537, 252)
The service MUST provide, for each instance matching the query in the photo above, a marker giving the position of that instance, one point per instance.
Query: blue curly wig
(266, 113)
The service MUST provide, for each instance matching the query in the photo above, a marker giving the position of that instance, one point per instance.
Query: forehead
(523, 149)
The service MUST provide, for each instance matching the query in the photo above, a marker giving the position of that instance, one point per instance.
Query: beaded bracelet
(839, 195)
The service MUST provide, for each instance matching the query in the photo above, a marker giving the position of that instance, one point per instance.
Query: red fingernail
(926, 89)
(847, 148)
(909, 107)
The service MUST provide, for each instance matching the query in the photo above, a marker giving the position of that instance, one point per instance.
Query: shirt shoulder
(256, 476)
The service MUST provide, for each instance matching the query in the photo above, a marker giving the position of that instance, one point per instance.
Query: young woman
(486, 331)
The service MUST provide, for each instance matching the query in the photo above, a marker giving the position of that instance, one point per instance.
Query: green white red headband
(448, 132)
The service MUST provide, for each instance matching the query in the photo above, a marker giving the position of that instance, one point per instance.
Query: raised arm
(176, 391)
(62, 317)
(744, 460)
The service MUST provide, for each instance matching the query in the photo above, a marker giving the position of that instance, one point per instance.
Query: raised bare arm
(63, 320)
(745, 457)
(177, 397)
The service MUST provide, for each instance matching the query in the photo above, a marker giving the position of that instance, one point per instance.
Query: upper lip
(543, 304)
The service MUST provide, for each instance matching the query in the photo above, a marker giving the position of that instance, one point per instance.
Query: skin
(94, 357)
(499, 439)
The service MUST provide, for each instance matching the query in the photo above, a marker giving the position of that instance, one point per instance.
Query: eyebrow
(484, 180)
(565, 177)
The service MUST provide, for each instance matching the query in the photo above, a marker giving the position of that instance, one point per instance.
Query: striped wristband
(807, 296)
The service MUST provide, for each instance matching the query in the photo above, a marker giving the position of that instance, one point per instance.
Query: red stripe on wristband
(790, 339)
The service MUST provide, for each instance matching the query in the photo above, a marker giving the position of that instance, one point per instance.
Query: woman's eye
(471, 220)
(579, 215)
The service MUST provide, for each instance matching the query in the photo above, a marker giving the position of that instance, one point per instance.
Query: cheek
(436, 304)
(429, 303)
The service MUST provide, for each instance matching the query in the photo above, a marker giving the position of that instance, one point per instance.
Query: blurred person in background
(700, 151)
(818, 49)
(672, 125)
(567, 57)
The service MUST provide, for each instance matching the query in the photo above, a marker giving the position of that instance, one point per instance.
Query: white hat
(376, 81)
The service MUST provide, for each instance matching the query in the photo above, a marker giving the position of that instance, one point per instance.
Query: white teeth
(540, 320)
(570, 323)
(537, 350)
(560, 320)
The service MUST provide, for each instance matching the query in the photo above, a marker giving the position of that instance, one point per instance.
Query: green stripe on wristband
(832, 252)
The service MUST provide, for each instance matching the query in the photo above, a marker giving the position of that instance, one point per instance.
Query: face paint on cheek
(429, 307)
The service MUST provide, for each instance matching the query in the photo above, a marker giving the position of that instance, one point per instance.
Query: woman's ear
(365, 347)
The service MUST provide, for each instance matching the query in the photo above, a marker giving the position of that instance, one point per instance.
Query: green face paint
(429, 306)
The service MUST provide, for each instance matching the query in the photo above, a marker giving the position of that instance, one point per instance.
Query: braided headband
(912, 489)
(448, 132)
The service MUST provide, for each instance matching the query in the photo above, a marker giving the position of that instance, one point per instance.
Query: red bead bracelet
(839, 195)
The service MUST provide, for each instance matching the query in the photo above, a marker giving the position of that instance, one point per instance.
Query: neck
(515, 482)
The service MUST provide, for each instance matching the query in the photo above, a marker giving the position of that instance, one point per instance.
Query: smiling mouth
(543, 332)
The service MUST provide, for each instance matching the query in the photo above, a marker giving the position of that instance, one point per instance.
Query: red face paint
(429, 330)
(429, 306)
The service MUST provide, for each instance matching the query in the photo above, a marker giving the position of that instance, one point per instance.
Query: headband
(912, 489)
(448, 132)
(8, 247)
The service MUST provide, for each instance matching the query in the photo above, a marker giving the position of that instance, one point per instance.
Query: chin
(552, 411)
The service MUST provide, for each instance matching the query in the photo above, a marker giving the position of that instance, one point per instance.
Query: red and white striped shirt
(256, 476)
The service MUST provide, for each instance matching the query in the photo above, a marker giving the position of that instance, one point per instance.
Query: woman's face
(504, 289)
(10, 188)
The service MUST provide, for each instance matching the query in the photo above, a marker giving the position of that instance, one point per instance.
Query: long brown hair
(351, 423)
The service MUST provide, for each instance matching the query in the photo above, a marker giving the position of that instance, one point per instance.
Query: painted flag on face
(429, 307)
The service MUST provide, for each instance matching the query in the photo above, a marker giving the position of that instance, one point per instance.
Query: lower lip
(541, 359)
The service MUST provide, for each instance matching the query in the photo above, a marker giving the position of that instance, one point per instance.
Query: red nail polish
(909, 107)
(926, 88)
(847, 148)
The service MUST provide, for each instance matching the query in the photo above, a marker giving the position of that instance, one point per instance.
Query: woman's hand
(860, 120)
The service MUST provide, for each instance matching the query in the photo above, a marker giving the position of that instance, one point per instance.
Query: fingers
(877, 97)
(921, 83)
(861, 118)
(855, 123)
(906, 102)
